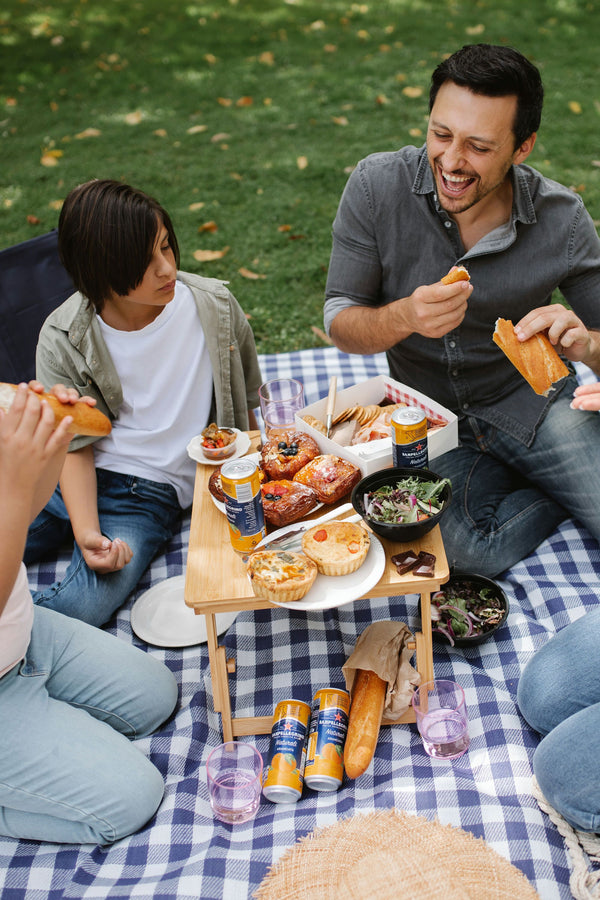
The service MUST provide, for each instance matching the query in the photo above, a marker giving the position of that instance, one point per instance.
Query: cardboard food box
(376, 455)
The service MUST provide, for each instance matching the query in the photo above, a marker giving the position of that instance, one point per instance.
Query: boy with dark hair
(163, 353)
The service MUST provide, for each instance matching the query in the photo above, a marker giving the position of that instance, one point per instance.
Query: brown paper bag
(381, 648)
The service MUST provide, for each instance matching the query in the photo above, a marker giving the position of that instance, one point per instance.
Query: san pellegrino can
(240, 482)
(328, 729)
(283, 776)
(409, 437)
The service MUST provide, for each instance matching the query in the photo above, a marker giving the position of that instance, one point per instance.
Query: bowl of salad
(403, 503)
(467, 610)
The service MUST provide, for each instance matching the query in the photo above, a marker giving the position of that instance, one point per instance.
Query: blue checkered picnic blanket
(185, 853)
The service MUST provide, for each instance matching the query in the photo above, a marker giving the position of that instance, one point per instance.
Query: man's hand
(587, 396)
(102, 555)
(435, 309)
(564, 329)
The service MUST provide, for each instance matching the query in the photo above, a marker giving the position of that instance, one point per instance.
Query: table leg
(424, 640)
(219, 677)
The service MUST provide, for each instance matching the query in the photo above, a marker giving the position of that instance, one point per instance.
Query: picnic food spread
(86, 419)
(217, 443)
(536, 359)
(337, 548)
(281, 575)
(409, 500)
(362, 424)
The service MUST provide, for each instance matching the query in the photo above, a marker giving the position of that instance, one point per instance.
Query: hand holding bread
(536, 359)
(86, 419)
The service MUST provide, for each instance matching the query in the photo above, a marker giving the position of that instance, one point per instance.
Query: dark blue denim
(143, 513)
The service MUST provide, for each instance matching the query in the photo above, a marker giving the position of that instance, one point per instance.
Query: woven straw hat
(386, 855)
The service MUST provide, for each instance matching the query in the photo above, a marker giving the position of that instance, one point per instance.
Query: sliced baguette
(536, 359)
(86, 419)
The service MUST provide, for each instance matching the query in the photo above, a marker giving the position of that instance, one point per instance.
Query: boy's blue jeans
(559, 695)
(143, 513)
(507, 498)
(68, 715)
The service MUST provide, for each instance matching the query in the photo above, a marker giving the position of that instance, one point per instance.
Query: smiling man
(468, 198)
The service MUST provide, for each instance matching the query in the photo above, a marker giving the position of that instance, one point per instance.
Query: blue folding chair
(33, 282)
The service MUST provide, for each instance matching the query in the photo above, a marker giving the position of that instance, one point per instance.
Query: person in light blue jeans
(559, 696)
(73, 698)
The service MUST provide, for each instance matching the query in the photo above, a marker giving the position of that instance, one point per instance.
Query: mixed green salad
(409, 500)
(464, 609)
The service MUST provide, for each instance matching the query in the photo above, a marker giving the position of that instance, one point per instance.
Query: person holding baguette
(163, 353)
(467, 199)
(72, 697)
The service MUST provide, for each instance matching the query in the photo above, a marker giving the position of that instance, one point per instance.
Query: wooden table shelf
(216, 582)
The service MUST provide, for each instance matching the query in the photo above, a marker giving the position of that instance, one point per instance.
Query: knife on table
(293, 538)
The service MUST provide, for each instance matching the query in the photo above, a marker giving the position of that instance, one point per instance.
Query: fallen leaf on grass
(209, 255)
(208, 226)
(160, 132)
(50, 157)
(267, 58)
(134, 118)
(88, 133)
(284, 228)
(244, 101)
(475, 29)
(412, 92)
(302, 162)
(246, 273)
(339, 120)
(575, 107)
(221, 136)
(55, 204)
(224, 101)
(194, 206)
(33, 220)
(197, 129)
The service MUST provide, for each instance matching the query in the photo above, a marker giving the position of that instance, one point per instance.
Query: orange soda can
(283, 776)
(409, 437)
(240, 481)
(326, 739)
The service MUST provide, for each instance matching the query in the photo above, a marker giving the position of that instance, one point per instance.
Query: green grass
(163, 82)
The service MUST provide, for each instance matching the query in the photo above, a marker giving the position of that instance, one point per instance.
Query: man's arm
(431, 311)
(80, 494)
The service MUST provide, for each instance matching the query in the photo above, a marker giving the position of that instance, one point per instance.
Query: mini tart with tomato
(338, 548)
(281, 576)
(287, 501)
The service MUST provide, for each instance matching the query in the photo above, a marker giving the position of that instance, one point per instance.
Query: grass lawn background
(244, 118)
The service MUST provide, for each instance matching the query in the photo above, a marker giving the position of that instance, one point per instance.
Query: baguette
(458, 273)
(366, 711)
(86, 419)
(536, 359)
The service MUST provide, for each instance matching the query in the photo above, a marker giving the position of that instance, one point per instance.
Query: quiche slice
(281, 576)
(338, 548)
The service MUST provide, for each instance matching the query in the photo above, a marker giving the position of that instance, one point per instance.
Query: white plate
(329, 591)
(160, 617)
(194, 449)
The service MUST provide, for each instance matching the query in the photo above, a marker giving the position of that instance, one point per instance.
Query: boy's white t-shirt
(16, 622)
(167, 384)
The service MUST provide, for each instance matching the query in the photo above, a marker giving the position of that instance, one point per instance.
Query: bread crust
(287, 501)
(366, 711)
(281, 463)
(536, 359)
(338, 547)
(330, 476)
(457, 274)
(87, 420)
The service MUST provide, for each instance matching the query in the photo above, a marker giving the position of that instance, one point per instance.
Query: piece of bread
(285, 455)
(281, 576)
(459, 273)
(536, 359)
(287, 501)
(86, 419)
(338, 548)
(366, 711)
(330, 476)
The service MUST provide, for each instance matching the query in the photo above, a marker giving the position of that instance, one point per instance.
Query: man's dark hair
(496, 71)
(106, 234)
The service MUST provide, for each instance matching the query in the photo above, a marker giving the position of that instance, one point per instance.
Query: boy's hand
(102, 555)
